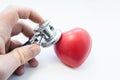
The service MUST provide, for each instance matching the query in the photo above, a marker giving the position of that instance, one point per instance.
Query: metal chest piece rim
(49, 35)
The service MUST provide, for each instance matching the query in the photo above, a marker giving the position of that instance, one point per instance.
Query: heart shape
(74, 47)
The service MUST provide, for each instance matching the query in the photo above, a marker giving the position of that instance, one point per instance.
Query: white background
(101, 18)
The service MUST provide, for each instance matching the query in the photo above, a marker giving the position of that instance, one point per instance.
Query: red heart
(74, 47)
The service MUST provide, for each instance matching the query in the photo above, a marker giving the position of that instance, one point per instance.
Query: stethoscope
(45, 35)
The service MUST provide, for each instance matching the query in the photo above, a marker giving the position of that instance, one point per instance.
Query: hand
(11, 57)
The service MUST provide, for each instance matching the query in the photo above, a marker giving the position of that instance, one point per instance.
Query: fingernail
(34, 50)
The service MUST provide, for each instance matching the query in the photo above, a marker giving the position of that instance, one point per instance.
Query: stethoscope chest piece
(45, 35)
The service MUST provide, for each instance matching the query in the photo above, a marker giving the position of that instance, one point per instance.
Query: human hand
(11, 57)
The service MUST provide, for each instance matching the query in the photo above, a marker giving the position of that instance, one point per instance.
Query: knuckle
(20, 55)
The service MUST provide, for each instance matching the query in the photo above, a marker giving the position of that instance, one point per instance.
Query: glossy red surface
(74, 47)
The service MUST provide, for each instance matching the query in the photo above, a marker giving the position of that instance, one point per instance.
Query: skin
(12, 56)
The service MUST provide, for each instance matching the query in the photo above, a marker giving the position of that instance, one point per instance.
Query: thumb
(2, 46)
(15, 58)
(25, 53)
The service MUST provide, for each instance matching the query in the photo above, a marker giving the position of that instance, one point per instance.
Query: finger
(33, 62)
(18, 57)
(11, 15)
(2, 46)
(20, 70)
(27, 31)
(25, 53)
(14, 44)
(14, 13)
(24, 28)
(27, 13)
